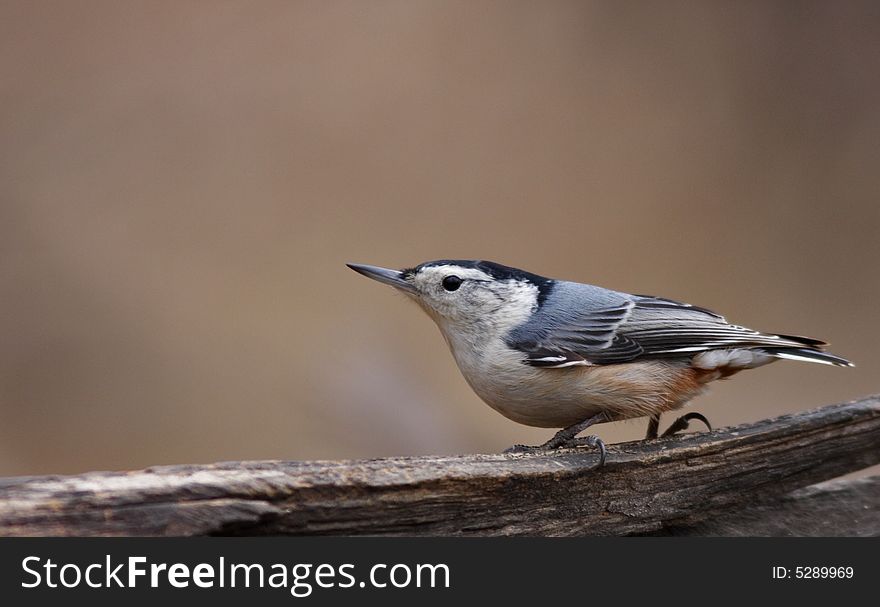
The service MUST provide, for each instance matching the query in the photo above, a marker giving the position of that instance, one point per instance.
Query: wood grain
(677, 485)
(839, 508)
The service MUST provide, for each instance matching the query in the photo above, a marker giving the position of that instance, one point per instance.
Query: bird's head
(466, 295)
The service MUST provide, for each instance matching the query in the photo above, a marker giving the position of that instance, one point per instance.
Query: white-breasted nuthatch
(559, 354)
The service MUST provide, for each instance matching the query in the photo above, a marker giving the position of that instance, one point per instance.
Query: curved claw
(592, 441)
(701, 417)
(683, 422)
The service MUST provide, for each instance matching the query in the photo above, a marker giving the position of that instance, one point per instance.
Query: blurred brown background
(182, 182)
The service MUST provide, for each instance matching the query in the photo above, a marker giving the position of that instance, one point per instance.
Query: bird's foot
(591, 441)
(567, 438)
(594, 442)
(524, 449)
(680, 424)
(683, 423)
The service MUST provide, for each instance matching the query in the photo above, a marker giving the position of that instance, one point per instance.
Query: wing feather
(586, 325)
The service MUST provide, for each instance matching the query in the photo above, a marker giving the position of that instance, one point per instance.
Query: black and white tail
(809, 355)
(808, 350)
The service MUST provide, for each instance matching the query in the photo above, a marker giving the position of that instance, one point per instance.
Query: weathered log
(839, 508)
(663, 486)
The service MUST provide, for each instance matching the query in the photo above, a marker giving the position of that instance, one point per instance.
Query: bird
(555, 353)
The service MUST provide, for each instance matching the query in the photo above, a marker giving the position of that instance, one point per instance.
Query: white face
(469, 300)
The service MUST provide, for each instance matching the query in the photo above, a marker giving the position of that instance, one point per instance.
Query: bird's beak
(389, 277)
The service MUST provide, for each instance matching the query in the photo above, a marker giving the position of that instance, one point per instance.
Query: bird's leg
(653, 427)
(566, 438)
(682, 423)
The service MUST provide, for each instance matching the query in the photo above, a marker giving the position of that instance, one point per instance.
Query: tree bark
(742, 480)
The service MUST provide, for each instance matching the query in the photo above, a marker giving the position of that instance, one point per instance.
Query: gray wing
(586, 325)
(578, 324)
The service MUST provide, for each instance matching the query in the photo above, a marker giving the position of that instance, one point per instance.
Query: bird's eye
(451, 283)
